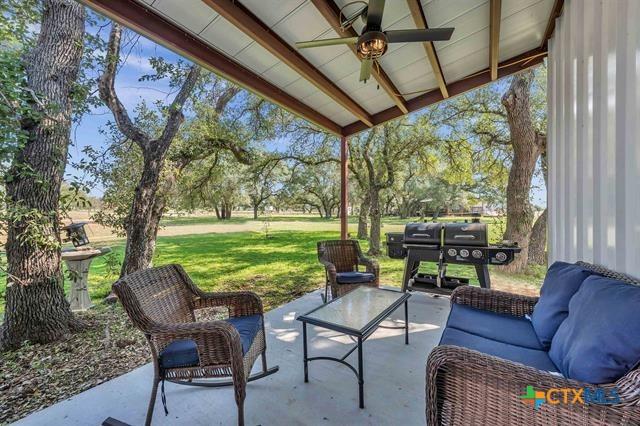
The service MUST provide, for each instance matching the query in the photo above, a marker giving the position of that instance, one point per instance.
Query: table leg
(360, 373)
(306, 362)
(406, 322)
(411, 266)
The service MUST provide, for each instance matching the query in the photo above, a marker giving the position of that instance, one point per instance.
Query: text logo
(555, 396)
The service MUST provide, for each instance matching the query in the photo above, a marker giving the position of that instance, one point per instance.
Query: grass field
(279, 268)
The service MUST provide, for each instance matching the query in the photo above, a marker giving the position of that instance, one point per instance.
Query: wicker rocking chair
(162, 302)
(341, 259)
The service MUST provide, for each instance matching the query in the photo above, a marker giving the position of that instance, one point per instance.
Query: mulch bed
(37, 376)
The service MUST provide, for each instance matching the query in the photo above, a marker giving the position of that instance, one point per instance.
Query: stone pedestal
(78, 263)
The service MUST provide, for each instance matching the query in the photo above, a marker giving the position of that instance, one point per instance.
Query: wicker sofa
(465, 386)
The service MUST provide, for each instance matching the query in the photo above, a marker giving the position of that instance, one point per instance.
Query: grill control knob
(452, 252)
(477, 254)
(464, 253)
(501, 256)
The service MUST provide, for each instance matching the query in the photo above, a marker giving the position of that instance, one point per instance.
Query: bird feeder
(76, 234)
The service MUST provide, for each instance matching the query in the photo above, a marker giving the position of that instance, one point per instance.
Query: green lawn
(279, 268)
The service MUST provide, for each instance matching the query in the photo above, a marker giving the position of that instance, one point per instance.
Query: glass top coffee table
(358, 313)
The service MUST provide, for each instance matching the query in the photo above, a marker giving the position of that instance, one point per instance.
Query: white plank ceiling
(522, 29)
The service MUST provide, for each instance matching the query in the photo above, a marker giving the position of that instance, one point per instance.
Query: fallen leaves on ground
(37, 376)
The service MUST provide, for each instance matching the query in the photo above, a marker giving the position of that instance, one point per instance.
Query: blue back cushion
(599, 342)
(248, 327)
(560, 284)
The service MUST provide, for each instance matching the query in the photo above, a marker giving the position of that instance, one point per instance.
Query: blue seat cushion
(500, 327)
(599, 342)
(354, 277)
(538, 359)
(248, 327)
(560, 284)
(179, 353)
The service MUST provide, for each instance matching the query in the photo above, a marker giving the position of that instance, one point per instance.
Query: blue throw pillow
(560, 284)
(599, 342)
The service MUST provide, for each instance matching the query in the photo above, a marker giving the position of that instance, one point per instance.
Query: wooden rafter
(494, 43)
(331, 14)
(421, 22)
(234, 12)
(551, 24)
(516, 64)
(136, 16)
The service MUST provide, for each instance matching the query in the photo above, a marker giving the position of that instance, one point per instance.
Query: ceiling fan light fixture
(372, 45)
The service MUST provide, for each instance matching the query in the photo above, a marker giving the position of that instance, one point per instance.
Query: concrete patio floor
(394, 380)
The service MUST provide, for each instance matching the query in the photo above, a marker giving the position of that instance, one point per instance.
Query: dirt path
(99, 233)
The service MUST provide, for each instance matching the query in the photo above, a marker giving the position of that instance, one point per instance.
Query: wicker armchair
(468, 387)
(162, 302)
(340, 256)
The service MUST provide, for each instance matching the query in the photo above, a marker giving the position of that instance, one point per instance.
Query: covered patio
(394, 380)
(594, 152)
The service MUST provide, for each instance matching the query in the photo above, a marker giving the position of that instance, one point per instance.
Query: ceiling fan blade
(326, 42)
(365, 69)
(374, 14)
(432, 34)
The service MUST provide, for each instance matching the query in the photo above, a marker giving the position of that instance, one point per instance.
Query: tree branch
(176, 117)
(108, 93)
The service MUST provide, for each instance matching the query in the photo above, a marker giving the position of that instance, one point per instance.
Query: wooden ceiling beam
(421, 22)
(494, 42)
(234, 12)
(331, 14)
(511, 66)
(556, 11)
(136, 16)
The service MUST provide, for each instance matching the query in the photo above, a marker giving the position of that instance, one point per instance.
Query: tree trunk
(526, 150)
(147, 207)
(374, 214)
(36, 308)
(538, 241)
(144, 217)
(405, 208)
(325, 209)
(362, 219)
(255, 211)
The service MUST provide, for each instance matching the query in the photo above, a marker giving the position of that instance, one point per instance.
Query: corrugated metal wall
(594, 134)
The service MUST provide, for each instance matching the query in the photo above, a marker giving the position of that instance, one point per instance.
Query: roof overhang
(251, 42)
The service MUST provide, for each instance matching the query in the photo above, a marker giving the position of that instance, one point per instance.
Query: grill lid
(466, 234)
(423, 233)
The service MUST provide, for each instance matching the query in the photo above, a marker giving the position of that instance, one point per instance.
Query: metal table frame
(361, 335)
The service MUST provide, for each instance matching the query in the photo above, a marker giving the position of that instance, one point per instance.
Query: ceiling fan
(372, 43)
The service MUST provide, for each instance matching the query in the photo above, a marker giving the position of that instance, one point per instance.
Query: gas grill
(463, 243)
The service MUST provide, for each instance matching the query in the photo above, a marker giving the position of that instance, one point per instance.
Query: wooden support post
(494, 35)
(344, 188)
